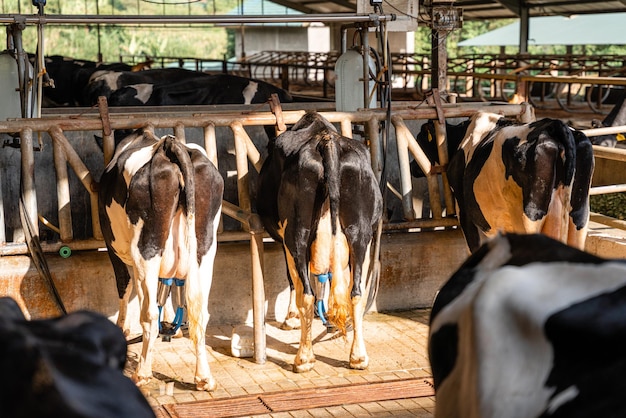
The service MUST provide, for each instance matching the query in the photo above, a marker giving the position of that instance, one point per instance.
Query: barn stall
(58, 205)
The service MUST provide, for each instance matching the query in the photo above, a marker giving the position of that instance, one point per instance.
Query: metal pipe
(243, 189)
(63, 193)
(83, 173)
(28, 178)
(402, 133)
(190, 20)
(258, 289)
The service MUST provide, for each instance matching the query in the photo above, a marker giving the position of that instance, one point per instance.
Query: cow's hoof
(290, 323)
(303, 368)
(141, 380)
(208, 385)
(359, 364)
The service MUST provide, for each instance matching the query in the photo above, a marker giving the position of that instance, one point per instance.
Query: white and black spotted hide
(530, 327)
(521, 178)
(160, 202)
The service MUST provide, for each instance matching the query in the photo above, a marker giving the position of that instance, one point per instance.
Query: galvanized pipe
(191, 19)
(28, 189)
(441, 137)
(84, 175)
(402, 138)
(243, 189)
(210, 143)
(63, 193)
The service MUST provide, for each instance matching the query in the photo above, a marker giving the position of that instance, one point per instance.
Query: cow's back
(530, 327)
(522, 178)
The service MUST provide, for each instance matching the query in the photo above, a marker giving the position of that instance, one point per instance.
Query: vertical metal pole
(366, 68)
(179, 132)
(376, 148)
(63, 192)
(524, 30)
(241, 157)
(28, 178)
(258, 290)
(210, 143)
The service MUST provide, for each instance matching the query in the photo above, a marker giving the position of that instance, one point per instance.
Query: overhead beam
(513, 5)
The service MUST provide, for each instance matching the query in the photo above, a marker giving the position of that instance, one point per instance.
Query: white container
(242, 341)
(349, 95)
(10, 106)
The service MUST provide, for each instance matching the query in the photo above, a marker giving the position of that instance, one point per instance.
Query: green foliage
(115, 41)
(613, 205)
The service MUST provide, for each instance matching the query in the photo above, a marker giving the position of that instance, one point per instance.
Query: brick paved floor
(396, 344)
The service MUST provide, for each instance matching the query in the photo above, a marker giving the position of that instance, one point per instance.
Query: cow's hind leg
(358, 354)
(305, 358)
(198, 289)
(122, 316)
(292, 320)
(146, 286)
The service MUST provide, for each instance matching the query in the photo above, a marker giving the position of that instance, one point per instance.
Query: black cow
(530, 327)
(70, 366)
(524, 178)
(69, 78)
(426, 139)
(319, 197)
(160, 202)
(616, 117)
(203, 90)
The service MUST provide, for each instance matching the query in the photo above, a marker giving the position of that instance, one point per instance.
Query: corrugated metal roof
(264, 7)
(477, 9)
(598, 29)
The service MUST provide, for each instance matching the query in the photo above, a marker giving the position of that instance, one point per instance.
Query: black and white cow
(530, 327)
(69, 78)
(105, 82)
(204, 90)
(616, 117)
(524, 178)
(160, 202)
(177, 86)
(70, 366)
(319, 197)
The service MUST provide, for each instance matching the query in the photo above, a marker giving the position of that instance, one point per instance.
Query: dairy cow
(616, 117)
(69, 77)
(524, 178)
(530, 327)
(69, 366)
(106, 82)
(160, 202)
(318, 196)
(204, 90)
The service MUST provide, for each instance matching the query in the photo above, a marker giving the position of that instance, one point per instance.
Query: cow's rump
(70, 366)
(530, 327)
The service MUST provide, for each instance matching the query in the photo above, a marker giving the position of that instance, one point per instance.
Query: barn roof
(559, 30)
(476, 9)
(264, 7)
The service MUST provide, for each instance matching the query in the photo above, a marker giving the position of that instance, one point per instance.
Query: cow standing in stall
(318, 196)
(525, 178)
(160, 202)
(530, 327)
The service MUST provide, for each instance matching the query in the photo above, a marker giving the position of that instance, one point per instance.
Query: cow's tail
(339, 306)
(179, 154)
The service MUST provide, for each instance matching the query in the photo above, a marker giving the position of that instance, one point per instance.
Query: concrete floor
(396, 344)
